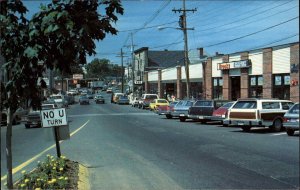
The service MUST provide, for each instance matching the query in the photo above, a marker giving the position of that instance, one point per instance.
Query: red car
(220, 114)
(163, 110)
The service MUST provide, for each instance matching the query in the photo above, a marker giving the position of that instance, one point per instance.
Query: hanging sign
(234, 65)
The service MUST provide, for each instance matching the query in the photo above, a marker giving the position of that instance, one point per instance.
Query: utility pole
(183, 26)
(122, 55)
(132, 57)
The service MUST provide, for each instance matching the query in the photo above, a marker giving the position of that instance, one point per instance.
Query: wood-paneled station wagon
(252, 112)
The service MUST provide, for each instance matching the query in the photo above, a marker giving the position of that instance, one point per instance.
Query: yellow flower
(54, 165)
(22, 185)
(50, 181)
(48, 155)
(37, 188)
(54, 168)
(66, 178)
(23, 172)
(38, 179)
(63, 157)
(61, 169)
(26, 180)
(60, 178)
(53, 180)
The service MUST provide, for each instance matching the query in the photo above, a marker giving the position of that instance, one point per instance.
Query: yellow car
(158, 102)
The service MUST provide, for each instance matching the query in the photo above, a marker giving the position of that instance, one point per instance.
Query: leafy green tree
(58, 37)
(98, 68)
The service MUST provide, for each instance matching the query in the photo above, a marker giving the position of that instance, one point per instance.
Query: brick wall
(208, 77)
(226, 80)
(146, 82)
(267, 73)
(244, 77)
(179, 83)
(294, 89)
(159, 83)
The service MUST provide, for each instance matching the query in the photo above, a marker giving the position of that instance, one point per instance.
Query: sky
(224, 26)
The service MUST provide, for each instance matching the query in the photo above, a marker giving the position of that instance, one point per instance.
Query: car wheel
(182, 119)
(246, 128)
(277, 125)
(290, 132)
(27, 126)
(168, 116)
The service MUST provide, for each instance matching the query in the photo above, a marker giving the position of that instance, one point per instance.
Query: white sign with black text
(54, 117)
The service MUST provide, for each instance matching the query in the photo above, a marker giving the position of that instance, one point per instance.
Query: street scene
(149, 94)
(129, 148)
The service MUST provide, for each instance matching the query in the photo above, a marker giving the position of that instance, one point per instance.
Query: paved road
(128, 148)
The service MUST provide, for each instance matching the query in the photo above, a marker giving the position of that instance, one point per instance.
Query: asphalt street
(129, 148)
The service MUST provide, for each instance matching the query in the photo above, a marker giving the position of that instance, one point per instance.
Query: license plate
(181, 115)
(200, 117)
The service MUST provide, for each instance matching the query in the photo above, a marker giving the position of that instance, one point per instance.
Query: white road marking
(277, 134)
(109, 114)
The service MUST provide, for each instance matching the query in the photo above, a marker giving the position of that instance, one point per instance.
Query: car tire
(169, 116)
(277, 125)
(290, 132)
(182, 119)
(246, 128)
(27, 126)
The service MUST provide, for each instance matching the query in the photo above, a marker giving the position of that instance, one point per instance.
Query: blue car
(84, 100)
(123, 100)
(180, 110)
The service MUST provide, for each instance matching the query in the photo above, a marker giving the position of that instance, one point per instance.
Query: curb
(83, 178)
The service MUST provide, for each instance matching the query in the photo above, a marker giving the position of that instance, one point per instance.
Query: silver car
(291, 120)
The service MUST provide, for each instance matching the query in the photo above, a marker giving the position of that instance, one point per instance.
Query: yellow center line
(24, 164)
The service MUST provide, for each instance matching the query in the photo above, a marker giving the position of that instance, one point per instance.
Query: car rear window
(245, 105)
(227, 105)
(294, 109)
(173, 103)
(162, 101)
(204, 103)
(189, 103)
(151, 97)
(270, 105)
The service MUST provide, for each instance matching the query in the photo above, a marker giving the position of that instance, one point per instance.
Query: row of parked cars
(244, 113)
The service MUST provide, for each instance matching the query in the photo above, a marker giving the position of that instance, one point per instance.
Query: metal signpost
(56, 118)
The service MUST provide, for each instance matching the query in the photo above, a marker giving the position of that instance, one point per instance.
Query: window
(270, 105)
(286, 105)
(256, 86)
(204, 103)
(218, 88)
(227, 105)
(162, 101)
(245, 105)
(281, 86)
(294, 109)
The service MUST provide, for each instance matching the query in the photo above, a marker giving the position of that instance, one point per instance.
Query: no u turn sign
(54, 117)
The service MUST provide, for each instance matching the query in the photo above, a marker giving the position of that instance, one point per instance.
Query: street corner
(83, 178)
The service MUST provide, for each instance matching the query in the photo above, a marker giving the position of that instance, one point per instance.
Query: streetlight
(186, 61)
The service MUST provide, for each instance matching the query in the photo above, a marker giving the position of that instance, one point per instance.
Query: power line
(252, 33)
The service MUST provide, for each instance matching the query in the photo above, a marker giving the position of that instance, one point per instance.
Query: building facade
(271, 72)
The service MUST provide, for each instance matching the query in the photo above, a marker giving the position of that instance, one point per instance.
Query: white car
(59, 100)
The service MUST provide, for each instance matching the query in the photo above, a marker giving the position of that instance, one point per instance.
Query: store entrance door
(235, 87)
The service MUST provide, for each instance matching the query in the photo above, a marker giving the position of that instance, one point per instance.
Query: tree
(98, 68)
(59, 36)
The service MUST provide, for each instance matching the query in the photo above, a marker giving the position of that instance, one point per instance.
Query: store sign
(78, 76)
(234, 65)
(138, 82)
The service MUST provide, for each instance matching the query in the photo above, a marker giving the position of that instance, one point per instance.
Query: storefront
(264, 73)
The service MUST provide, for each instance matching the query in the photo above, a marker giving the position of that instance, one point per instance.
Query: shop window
(218, 88)
(281, 86)
(256, 86)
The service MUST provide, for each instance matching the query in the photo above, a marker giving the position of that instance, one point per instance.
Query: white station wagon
(252, 112)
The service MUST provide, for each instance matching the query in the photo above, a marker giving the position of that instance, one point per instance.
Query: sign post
(55, 118)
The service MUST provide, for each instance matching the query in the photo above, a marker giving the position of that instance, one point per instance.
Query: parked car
(154, 104)
(59, 100)
(221, 113)
(83, 99)
(145, 100)
(109, 90)
(247, 113)
(180, 110)
(99, 99)
(90, 95)
(165, 109)
(202, 110)
(135, 102)
(33, 118)
(16, 118)
(115, 97)
(123, 100)
(291, 120)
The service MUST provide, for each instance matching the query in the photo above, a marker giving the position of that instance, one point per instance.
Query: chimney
(201, 52)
